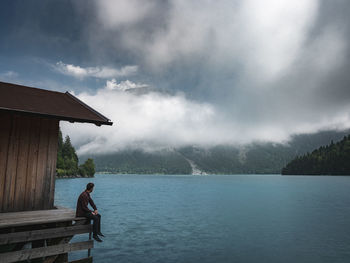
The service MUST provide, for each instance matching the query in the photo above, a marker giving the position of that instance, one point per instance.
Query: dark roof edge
(88, 107)
(70, 119)
(21, 85)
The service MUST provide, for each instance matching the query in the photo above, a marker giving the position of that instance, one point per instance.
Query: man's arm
(92, 204)
(84, 204)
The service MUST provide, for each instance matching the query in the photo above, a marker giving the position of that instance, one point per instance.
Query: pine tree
(333, 159)
(67, 160)
(87, 169)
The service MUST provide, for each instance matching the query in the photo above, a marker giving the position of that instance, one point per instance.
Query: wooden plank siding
(21, 173)
(11, 166)
(52, 159)
(41, 166)
(5, 131)
(32, 164)
(28, 153)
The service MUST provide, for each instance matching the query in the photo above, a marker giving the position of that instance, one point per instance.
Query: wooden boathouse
(32, 229)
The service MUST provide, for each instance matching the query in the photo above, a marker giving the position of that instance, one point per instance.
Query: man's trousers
(96, 228)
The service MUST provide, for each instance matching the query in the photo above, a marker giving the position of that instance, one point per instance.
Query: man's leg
(99, 224)
(95, 227)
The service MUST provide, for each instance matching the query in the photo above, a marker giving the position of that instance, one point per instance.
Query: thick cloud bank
(177, 72)
(148, 120)
(154, 120)
(260, 37)
(235, 71)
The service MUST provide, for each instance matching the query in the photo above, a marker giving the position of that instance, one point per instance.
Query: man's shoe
(100, 234)
(97, 238)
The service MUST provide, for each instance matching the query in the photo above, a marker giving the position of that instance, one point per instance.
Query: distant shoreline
(71, 176)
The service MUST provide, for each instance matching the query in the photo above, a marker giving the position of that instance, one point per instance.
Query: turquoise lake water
(236, 218)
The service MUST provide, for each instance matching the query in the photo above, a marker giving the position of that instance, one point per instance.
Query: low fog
(152, 120)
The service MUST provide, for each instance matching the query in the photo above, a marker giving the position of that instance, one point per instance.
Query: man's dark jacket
(82, 204)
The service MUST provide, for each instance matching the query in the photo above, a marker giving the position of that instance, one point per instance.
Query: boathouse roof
(46, 103)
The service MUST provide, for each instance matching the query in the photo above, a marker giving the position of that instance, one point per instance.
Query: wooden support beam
(57, 258)
(83, 260)
(28, 254)
(81, 220)
(27, 236)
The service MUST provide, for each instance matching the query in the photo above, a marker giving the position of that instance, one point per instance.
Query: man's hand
(95, 212)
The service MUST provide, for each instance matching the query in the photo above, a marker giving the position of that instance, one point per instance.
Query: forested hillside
(333, 159)
(141, 162)
(260, 158)
(67, 161)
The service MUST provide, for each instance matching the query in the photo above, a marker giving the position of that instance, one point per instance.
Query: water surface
(240, 218)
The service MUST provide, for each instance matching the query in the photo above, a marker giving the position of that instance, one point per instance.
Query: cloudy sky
(170, 73)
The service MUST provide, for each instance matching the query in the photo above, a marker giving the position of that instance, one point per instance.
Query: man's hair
(89, 186)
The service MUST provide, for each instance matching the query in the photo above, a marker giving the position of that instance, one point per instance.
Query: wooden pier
(42, 236)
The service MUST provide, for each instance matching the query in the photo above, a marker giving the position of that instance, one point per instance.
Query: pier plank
(27, 236)
(44, 251)
(14, 219)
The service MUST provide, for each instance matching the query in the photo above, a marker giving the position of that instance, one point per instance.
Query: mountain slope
(260, 158)
(333, 159)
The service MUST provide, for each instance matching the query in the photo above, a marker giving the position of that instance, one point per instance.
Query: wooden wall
(28, 153)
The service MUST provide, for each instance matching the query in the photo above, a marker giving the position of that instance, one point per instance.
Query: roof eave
(63, 118)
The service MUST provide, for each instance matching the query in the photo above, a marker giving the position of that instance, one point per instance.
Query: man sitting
(83, 211)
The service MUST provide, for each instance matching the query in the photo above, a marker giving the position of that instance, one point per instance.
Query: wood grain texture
(44, 251)
(11, 167)
(27, 162)
(34, 136)
(41, 166)
(22, 163)
(27, 236)
(51, 164)
(15, 219)
(5, 131)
